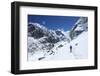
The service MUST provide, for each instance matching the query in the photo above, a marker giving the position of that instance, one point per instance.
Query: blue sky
(54, 22)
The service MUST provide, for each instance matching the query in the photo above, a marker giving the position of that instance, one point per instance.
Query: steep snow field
(80, 46)
(57, 53)
(79, 50)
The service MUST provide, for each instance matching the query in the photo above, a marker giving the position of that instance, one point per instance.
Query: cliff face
(80, 26)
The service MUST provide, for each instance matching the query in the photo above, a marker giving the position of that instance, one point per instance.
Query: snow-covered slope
(61, 51)
(80, 46)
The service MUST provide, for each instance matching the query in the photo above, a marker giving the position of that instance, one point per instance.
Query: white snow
(80, 46)
(61, 53)
(79, 50)
(61, 50)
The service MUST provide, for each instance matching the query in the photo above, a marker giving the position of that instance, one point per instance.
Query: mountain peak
(37, 25)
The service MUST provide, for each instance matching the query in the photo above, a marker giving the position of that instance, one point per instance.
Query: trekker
(70, 49)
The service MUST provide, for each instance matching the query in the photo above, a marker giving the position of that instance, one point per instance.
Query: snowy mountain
(80, 26)
(40, 38)
(47, 44)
